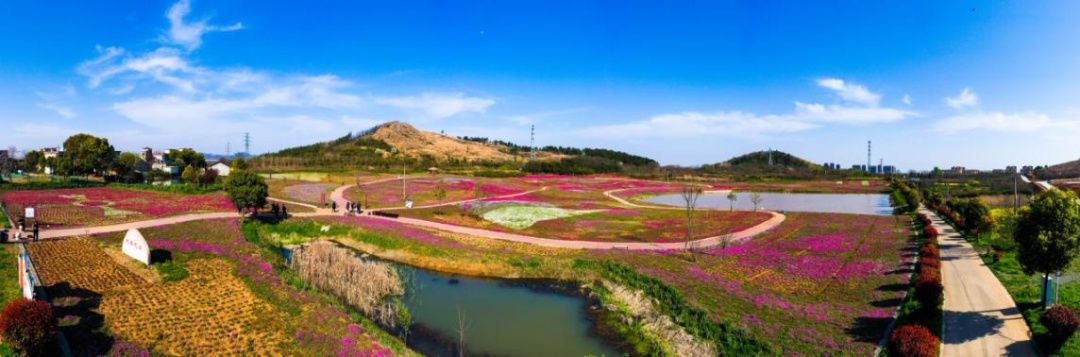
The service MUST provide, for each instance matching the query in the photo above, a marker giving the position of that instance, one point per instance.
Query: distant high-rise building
(1010, 169)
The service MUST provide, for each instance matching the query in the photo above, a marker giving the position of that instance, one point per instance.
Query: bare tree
(725, 241)
(731, 197)
(690, 196)
(756, 199)
(463, 327)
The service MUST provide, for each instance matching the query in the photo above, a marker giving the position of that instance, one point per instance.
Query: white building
(221, 168)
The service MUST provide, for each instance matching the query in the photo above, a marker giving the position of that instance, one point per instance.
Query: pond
(501, 317)
(854, 203)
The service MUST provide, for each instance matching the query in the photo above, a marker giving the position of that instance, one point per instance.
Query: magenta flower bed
(813, 285)
(148, 203)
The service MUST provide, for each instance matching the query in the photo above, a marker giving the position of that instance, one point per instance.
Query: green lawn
(9, 282)
(1025, 291)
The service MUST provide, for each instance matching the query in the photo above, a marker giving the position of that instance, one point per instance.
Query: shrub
(930, 250)
(28, 325)
(928, 288)
(929, 262)
(1060, 321)
(913, 340)
(930, 232)
(998, 254)
(924, 220)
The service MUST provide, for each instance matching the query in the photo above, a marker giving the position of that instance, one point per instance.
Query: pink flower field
(820, 284)
(104, 205)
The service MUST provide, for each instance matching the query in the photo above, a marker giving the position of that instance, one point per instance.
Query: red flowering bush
(28, 325)
(930, 232)
(930, 250)
(928, 288)
(929, 262)
(1060, 321)
(913, 340)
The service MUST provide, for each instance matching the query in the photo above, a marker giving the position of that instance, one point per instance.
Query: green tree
(86, 154)
(239, 164)
(187, 157)
(190, 174)
(246, 189)
(1048, 233)
(127, 166)
(33, 161)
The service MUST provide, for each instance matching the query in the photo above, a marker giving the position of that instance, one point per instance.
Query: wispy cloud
(439, 105)
(906, 99)
(967, 98)
(189, 34)
(65, 112)
(850, 91)
(805, 116)
(1022, 122)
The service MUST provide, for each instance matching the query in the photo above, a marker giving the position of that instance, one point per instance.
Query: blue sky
(961, 83)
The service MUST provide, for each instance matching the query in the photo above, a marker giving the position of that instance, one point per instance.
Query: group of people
(279, 210)
(354, 208)
(20, 231)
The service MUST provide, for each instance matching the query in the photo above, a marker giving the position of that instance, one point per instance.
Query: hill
(757, 164)
(394, 142)
(762, 158)
(1069, 169)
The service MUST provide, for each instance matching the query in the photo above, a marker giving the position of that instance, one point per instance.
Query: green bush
(171, 271)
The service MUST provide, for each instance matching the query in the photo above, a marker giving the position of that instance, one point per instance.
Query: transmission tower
(532, 142)
(247, 143)
(770, 156)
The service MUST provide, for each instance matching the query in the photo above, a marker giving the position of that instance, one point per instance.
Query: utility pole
(532, 142)
(1016, 196)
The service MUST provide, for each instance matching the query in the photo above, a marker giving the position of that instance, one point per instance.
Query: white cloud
(65, 112)
(906, 99)
(189, 34)
(439, 105)
(850, 91)
(691, 124)
(846, 115)
(164, 65)
(967, 98)
(739, 123)
(1023, 122)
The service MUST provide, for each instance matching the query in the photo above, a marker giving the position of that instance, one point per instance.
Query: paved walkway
(980, 317)
(772, 222)
(338, 195)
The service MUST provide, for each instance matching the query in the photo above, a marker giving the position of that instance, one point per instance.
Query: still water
(500, 317)
(855, 203)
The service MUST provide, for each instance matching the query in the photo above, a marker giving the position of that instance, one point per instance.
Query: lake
(854, 203)
(502, 317)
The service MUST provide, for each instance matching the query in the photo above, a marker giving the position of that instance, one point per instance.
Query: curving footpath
(772, 222)
(980, 317)
(739, 236)
(338, 195)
